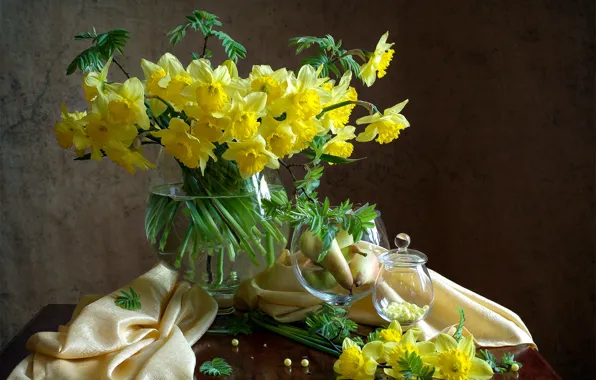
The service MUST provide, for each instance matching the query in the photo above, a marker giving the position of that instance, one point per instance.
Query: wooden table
(258, 356)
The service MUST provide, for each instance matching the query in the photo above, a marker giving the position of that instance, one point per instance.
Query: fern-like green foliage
(205, 22)
(498, 367)
(412, 367)
(331, 323)
(460, 326)
(215, 367)
(128, 300)
(104, 45)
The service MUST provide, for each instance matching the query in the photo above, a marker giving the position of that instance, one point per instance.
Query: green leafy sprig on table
(498, 367)
(234, 326)
(104, 45)
(412, 367)
(128, 301)
(331, 323)
(215, 367)
(206, 22)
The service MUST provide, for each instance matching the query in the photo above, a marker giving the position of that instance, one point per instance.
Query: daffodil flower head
(165, 79)
(244, 113)
(209, 87)
(407, 343)
(305, 131)
(378, 61)
(251, 156)
(128, 158)
(278, 135)
(386, 127)
(392, 333)
(207, 127)
(305, 98)
(339, 145)
(69, 128)
(185, 147)
(273, 83)
(336, 119)
(126, 104)
(457, 361)
(358, 364)
(93, 82)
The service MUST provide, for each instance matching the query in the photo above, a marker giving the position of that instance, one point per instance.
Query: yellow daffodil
(339, 145)
(305, 131)
(396, 350)
(127, 158)
(457, 361)
(210, 86)
(304, 100)
(70, 130)
(237, 84)
(273, 83)
(251, 156)
(244, 112)
(185, 147)
(278, 135)
(126, 104)
(387, 126)
(378, 61)
(206, 127)
(358, 364)
(392, 333)
(93, 82)
(165, 79)
(336, 119)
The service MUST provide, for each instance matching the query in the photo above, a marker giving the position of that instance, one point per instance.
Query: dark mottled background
(494, 180)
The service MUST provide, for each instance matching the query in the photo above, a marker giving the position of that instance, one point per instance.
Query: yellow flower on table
(273, 83)
(339, 145)
(185, 147)
(396, 349)
(126, 104)
(385, 127)
(166, 79)
(251, 156)
(243, 113)
(457, 361)
(358, 364)
(126, 157)
(210, 87)
(70, 129)
(392, 333)
(278, 135)
(93, 82)
(378, 62)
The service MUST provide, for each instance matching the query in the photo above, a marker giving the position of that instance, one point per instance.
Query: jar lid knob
(402, 241)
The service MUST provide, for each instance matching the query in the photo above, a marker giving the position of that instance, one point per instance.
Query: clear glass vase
(211, 227)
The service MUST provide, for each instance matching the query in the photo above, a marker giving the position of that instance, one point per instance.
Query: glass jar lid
(403, 256)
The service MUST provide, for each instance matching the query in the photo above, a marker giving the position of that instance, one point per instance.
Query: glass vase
(211, 226)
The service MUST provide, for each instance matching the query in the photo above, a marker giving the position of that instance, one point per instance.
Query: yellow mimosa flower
(358, 364)
(378, 62)
(251, 156)
(387, 126)
(457, 361)
(305, 131)
(127, 158)
(396, 350)
(185, 147)
(93, 82)
(126, 104)
(264, 79)
(70, 128)
(206, 127)
(336, 119)
(166, 79)
(209, 88)
(244, 112)
(339, 145)
(278, 135)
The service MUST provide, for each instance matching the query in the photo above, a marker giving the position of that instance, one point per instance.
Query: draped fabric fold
(278, 293)
(104, 341)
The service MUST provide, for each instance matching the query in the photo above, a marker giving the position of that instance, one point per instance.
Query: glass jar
(403, 290)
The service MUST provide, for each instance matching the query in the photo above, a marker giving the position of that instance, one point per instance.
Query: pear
(364, 269)
(334, 261)
(344, 239)
(317, 277)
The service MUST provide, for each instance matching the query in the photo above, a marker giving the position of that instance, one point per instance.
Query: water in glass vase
(215, 241)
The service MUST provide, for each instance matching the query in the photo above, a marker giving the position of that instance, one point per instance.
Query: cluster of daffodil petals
(269, 115)
(451, 360)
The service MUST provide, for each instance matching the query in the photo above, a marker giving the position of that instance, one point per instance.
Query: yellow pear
(364, 269)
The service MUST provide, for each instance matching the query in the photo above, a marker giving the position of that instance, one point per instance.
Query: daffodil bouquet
(224, 129)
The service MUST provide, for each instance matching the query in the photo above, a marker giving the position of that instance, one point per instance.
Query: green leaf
(104, 46)
(128, 301)
(233, 49)
(329, 158)
(216, 367)
(330, 322)
(412, 367)
(306, 42)
(374, 336)
(457, 335)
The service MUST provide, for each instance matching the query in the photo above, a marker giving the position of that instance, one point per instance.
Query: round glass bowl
(403, 290)
(348, 271)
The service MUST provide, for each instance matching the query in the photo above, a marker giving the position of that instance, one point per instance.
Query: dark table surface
(258, 356)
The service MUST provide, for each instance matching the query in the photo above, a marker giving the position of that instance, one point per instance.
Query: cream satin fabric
(278, 293)
(104, 341)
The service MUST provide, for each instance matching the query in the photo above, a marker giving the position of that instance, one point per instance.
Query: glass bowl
(403, 290)
(349, 270)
